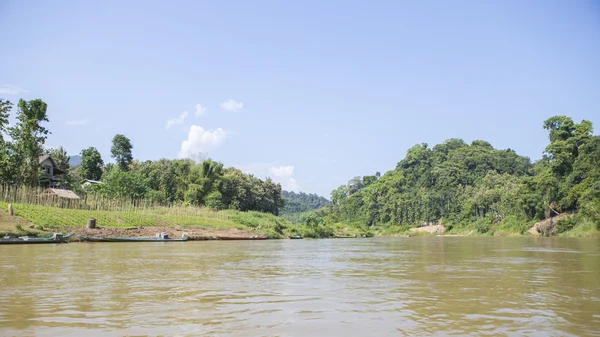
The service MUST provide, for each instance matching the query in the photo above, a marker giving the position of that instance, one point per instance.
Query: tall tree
(29, 137)
(61, 158)
(121, 151)
(5, 107)
(91, 164)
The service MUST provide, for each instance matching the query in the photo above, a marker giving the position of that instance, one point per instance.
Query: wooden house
(51, 176)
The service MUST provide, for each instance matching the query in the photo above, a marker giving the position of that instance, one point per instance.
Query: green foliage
(300, 202)
(193, 195)
(119, 184)
(121, 151)
(5, 165)
(478, 187)
(512, 225)
(183, 181)
(214, 200)
(567, 224)
(91, 164)
(28, 138)
(482, 225)
(314, 226)
(584, 228)
(61, 158)
(269, 224)
(393, 230)
(5, 107)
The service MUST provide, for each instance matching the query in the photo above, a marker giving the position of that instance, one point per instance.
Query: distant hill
(301, 202)
(74, 160)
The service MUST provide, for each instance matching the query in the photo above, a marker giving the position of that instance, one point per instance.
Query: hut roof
(67, 194)
(92, 181)
(44, 157)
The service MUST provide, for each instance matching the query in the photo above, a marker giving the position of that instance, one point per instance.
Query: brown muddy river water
(435, 286)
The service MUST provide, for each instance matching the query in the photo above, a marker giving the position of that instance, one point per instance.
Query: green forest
(474, 186)
(297, 205)
(465, 187)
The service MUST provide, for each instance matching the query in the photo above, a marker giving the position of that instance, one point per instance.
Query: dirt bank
(547, 224)
(430, 229)
(140, 232)
(8, 224)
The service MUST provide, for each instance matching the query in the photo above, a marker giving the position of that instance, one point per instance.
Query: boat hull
(28, 242)
(31, 241)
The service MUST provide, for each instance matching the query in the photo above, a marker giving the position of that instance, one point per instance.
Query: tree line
(299, 205)
(462, 184)
(298, 202)
(205, 183)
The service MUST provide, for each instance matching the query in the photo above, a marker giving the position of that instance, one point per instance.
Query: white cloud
(232, 105)
(177, 120)
(257, 169)
(279, 174)
(76, 122)
(200, 110)
(8, 89)
(200, 141)
(284, 176)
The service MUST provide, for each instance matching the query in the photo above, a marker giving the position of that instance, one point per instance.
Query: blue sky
(309, 92)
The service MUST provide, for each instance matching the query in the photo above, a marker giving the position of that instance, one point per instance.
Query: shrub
(567, 224)
(482, 226)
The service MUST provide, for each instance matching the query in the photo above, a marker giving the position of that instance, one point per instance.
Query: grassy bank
(49, 217)
(45, 218)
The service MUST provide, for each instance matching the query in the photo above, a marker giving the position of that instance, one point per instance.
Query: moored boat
(26, 240)
(296, 237)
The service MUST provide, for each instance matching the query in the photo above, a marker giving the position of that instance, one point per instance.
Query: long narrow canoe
(296, 237)
(25, 240)
(108, 239)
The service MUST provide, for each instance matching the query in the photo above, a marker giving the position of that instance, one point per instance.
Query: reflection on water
(363, 287)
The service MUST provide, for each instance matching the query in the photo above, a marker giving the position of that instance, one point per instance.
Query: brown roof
(67, 194)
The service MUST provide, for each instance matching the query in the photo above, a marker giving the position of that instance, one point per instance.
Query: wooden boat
(296, 237)
(162, 237)
(26, 240)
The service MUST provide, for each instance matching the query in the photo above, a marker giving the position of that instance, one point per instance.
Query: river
(434, 286)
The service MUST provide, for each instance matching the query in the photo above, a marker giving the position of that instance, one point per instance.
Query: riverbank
(173, 233)
(35, 220)
(39, 220)
(580, 229)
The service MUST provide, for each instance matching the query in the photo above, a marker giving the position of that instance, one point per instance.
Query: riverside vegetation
(469, 188)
